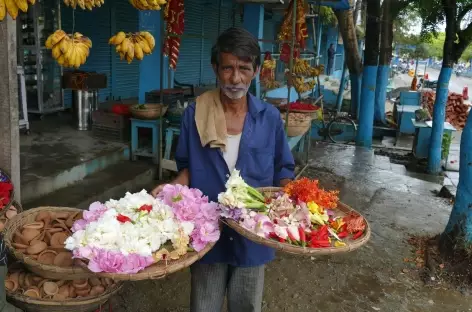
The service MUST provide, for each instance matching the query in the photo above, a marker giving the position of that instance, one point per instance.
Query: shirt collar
(255, 106)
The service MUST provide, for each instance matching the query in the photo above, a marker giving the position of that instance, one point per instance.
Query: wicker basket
(4, 177)
(46, 271)
(87, 304)
(342, 210)
(160, 269)
(150, 111)
(312, 113)
(297, 128)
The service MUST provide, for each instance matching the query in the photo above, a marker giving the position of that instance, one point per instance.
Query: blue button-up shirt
(264, 159)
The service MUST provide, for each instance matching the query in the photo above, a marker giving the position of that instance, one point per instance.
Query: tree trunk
(352, 56)
(369, 77)
(442, 91)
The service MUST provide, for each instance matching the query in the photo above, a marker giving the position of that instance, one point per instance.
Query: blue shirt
(264, 159)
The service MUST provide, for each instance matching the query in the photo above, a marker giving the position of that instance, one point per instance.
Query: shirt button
(230, 238)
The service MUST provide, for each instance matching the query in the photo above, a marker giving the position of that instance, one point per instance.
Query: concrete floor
(374, 278)
(54, 145)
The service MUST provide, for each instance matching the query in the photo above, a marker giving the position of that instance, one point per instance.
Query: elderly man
(229, 128)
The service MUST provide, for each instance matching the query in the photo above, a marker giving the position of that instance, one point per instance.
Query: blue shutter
(96, 25)
(210, 32)
(188, 66)
(269, 34)
(226, 15)
(126, 76)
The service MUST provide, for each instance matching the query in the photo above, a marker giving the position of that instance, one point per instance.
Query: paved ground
(374, 278)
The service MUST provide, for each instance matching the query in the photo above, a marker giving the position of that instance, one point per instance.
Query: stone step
(111, 182)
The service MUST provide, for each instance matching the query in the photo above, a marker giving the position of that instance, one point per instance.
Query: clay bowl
(36, 248)
(34, 225)
(58, 239)
(63, 259)
(11, 285)
(50, 288)
(80, 284)
(32, 292)
(97, 290)
(47, 257)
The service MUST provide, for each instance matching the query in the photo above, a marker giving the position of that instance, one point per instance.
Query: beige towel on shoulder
(210, 120)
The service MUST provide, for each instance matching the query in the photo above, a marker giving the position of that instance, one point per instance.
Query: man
(255, 143)
(331, 53)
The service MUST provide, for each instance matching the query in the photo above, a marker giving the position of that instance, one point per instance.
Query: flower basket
(312, 113)
(341, 210)
(33, 265)
(158, 270)
(5, 178)
(87, 304)
(148, 111)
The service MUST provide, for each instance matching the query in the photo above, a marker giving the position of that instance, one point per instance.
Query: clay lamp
(11, 213)
(29, 234)
(57, 248)
(84, 292)
(72, 292)
(97, 290)
(41, 283)
(11, 285)
(19, 246)
(36, 248)
(107, 282)
(19, 238)
(32, 292)
(47, 257)
(54, 230)
(64, 259)
(50, 288)
(21, 279)
(58, 239)
(59, 297)
(72, 217)
(95, 281)
(61, 215)
(28, 281)
(64, 290)
(80, 284)
(2, 224)
(35, 225)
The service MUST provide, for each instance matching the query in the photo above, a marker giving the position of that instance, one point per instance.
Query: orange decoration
(307, 190)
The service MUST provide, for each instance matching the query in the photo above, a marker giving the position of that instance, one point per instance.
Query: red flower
(123, 219)
(147, 208)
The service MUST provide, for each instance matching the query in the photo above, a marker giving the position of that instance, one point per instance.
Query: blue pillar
(342, 84)
(253, 21)
(366, 114)
(150, 66)
(381, 92)
(460, 221)
(319, 30)
(439, 116)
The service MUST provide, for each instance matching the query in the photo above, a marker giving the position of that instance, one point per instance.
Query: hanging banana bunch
(84, 4)
(133, 45)
(301, 86)
(69, 50)
(12, 7)
(268, 72)
(148, 4)
(302, 67)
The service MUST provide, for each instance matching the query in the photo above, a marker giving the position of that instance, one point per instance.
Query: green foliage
(327, 16)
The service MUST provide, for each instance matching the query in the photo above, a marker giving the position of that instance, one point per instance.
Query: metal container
(84, 102)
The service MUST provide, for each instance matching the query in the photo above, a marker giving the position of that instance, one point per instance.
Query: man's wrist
(284, 182)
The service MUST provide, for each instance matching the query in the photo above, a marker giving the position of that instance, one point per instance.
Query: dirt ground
(373, 278)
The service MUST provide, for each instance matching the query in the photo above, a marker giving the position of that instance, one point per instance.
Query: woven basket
(342, 210)
(150, 111)
(297, 128)
(4, 177)
(160, 269)
(312, 113)
(88, 304)
(46, 271)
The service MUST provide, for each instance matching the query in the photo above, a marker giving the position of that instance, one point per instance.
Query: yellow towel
(210, 120)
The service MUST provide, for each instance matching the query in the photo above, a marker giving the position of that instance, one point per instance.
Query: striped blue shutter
(210, 32)
(94, 24)
(125, 77)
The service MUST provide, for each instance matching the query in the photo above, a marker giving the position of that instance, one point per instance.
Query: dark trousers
(330, 68)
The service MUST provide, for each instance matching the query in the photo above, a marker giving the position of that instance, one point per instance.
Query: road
(455, 85)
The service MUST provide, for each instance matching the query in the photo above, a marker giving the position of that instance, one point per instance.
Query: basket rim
(110, 291)
(298, 250)
(13, 224)
(157, 271)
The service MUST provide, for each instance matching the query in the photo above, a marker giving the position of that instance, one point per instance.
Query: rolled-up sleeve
(284, 162)
(182, 151)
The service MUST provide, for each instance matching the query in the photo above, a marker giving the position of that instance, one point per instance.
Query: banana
(3, 10)
(22, 5)
(119, 38)
(138, 52)
(65, 44)
(61, 60)
(12, 8)
(130, 51)
(57, 36)
(149, 38)
(56, 52)
(144, 45)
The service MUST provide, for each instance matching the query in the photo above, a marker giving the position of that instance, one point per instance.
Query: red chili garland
(174, 16)
(300, 31)
(300, 106)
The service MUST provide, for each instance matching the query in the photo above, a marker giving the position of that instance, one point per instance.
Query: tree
(457, 39)
(371, 59)
(353, 58)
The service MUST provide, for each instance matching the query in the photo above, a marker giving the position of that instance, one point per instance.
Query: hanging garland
(285, 33)
(174, 16)
(268, 72)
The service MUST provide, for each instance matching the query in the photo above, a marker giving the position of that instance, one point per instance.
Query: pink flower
(79, 225)
(83, 252)
(263, 225)
(204, 234)
(94, 212)
(281, 231)
(293, 230)
(210, 211)
(115, 262)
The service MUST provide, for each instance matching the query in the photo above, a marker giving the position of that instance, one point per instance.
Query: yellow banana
(56, 52)
(130, 51)
(112, 40)
(65, 44)
(61, 60)
(12, 8)
(22, 5)
(3, 10)
(120, 36)
(144, 45)
(138, 52)
(81, 4)
(57, 36)
(149, 38)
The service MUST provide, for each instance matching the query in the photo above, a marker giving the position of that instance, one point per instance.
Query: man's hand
(157, 190)
(284, 182)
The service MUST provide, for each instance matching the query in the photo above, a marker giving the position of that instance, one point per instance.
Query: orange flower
(307, 190)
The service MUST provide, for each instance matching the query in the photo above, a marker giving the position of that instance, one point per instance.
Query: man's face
(234, 75)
